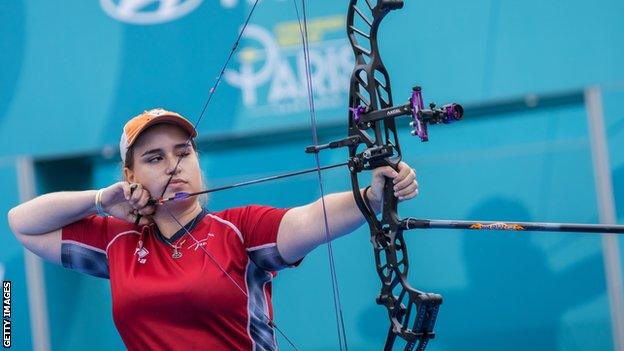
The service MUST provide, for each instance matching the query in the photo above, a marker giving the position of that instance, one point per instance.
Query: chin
(188, 202)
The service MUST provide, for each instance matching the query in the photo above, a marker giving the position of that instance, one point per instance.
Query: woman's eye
(183, 154)
(154, 159)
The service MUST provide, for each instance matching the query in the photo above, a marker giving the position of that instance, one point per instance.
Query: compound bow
(412, 312)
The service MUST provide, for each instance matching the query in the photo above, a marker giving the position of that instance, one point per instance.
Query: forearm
(52, 211)
(303, 228)
(343, 216)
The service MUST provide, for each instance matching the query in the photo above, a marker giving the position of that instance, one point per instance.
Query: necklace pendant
(176, 254)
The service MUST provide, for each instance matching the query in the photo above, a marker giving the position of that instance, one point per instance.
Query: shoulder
(85, 244)
(237, 214)
(252, 217)
(104, 222)
(226, 219)
(96, 228)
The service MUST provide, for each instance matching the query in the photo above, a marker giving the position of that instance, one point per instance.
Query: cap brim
(169, 119)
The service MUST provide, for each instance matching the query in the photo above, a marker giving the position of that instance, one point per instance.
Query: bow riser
(368, 93)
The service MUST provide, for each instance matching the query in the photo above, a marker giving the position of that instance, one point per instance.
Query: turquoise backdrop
(74, 71)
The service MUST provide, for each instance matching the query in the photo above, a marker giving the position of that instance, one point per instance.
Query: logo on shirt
(200, 243)
(141, 252)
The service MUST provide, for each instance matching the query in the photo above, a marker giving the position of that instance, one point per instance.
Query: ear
(128, 175)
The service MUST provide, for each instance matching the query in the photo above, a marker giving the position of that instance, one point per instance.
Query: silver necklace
(176, 248)
(176, 253)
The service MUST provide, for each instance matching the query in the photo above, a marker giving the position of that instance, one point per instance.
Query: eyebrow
(160, 150)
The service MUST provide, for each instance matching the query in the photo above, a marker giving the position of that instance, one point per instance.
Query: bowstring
(211, 93)
(303, 29)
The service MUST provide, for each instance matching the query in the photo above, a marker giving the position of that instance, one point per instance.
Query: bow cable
(303, 29)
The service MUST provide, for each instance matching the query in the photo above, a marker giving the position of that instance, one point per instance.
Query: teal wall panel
(12, 260)
(85, 69)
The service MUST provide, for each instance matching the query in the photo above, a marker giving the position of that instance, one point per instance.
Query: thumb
(380, 175)
(385, 171)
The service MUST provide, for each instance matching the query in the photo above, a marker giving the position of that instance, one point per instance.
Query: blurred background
(541, 141)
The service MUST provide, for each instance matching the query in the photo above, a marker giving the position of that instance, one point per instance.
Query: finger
(137, 220)
(408, 192)
(145, 220)
(142, 201)
(405, 182)
(126, 190)
(132, 216)
(386, 171)
(136, 191)
(147, 210)
(408, 197)
(404, 172)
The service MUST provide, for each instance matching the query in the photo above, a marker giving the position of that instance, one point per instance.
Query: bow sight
(363, 117)
(415, 107)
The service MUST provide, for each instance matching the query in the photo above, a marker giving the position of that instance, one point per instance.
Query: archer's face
(156, 153)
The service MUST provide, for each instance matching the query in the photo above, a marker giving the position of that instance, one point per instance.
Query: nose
(174, 166)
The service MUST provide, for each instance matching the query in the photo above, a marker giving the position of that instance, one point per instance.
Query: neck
(184, 214)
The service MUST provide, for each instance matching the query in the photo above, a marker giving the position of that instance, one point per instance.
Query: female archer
(181, 276)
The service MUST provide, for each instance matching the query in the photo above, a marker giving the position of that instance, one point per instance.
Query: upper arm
(84, 250)
(46, 246)
(296, 236)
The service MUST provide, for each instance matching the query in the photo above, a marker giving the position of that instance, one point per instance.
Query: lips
(177, 181)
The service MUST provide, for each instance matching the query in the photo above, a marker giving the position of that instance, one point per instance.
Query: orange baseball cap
(138, 124)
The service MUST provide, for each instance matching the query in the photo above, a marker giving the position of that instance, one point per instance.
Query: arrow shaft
(260, 180)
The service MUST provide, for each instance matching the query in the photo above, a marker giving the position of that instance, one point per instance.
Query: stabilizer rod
(412, 223)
